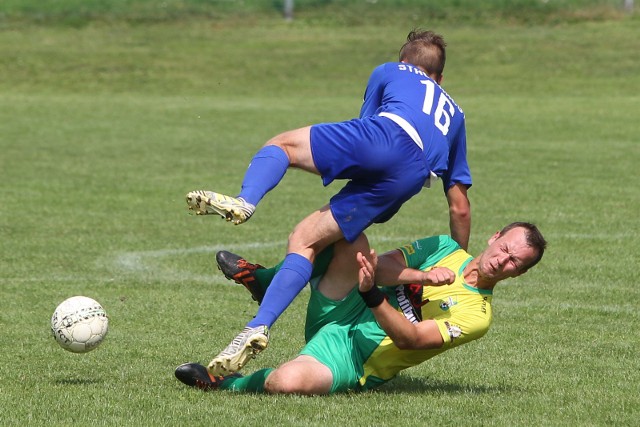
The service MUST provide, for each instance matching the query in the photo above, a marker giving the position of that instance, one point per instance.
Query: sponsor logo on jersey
(409, 249)
(410, 301)
(447, 303)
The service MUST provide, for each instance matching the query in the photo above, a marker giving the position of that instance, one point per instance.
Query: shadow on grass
(408, 385)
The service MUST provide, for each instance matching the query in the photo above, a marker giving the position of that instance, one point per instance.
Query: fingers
(366, 273)
(373, 256)
(364, 261)
(441, 276)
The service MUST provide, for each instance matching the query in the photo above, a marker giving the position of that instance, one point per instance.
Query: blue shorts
(385, 168)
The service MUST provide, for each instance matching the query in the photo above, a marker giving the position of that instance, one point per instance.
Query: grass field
(105, 126)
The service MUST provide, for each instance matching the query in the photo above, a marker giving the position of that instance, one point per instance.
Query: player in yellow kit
(433, 296)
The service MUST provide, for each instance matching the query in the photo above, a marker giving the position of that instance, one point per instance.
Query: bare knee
(314, 233)
(300, 376)
(279, 382)
(297, 146)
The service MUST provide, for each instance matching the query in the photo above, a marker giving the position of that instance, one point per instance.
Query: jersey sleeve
(373, 92)
(458, 167)
(425, 253)
(461, 328)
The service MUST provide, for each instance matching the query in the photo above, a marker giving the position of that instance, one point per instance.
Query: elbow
(419, 344)
(405, 343)
(458, 200)
(460, 210)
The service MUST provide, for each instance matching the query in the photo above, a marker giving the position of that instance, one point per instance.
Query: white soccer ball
(79, 324)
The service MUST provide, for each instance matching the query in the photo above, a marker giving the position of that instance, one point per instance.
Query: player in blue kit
(409, 133)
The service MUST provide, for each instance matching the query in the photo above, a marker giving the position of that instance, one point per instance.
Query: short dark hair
(426, 50)
(535, 239)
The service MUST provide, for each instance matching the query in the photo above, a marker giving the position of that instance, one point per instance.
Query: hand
(366, 274)
(439, 276)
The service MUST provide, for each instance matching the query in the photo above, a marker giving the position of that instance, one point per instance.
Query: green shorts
(341, 335)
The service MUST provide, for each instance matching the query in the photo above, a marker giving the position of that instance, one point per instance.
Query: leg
(302, 375)
(297, 146)
(312, 235)
(269, 164)
(342, 275)
(265, 171)
(256, 278)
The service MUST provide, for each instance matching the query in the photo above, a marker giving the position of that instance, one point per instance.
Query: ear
(440, 79)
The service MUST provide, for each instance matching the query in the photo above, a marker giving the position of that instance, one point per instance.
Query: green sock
(264, 276)
(253, 383)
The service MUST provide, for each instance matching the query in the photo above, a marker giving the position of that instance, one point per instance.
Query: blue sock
(265, 171)
(286, 285)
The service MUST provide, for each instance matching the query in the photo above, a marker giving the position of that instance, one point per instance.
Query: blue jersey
(435, 122)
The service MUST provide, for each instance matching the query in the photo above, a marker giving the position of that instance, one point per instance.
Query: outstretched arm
(404, 334)
(391, 270)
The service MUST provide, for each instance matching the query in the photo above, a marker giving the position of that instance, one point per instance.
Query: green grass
(105, 127)
(78, 13)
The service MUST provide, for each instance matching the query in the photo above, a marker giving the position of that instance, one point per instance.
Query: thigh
(341, 276)
(314, 233)
(297, 145)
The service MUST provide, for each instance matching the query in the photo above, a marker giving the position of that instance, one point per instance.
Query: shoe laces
(213, 382)
(236, 343)
(246, 207)
(246, 265)
(241, 339)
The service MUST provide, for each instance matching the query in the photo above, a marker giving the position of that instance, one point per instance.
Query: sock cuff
(299, 264)
(275, 152)
(253, 383)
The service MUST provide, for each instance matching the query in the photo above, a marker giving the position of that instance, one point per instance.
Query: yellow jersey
(462, 313)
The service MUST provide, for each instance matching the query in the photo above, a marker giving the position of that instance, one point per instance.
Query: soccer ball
(79, 324)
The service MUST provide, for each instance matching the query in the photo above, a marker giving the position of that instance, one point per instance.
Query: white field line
(140, 261)
(135, 261)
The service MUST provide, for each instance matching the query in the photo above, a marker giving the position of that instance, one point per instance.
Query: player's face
(506, 256)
